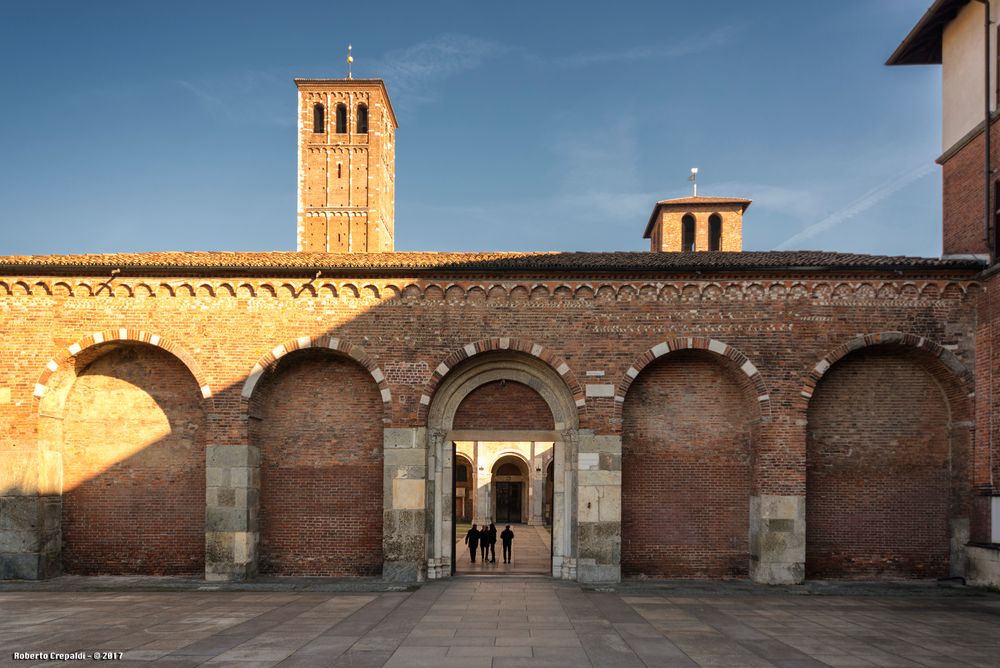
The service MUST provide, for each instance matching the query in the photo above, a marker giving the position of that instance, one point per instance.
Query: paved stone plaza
(511, 621)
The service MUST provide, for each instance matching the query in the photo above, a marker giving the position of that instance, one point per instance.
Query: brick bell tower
(692, 224)
(346, 171)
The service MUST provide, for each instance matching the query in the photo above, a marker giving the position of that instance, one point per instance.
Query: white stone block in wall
(407, 494)
(600, 390)
(589, 460)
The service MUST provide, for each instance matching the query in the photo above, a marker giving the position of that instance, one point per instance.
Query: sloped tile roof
(410, 262)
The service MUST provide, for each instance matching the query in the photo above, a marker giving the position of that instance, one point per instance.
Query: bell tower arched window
(687, 233)
(362, 119)
(341, 118)
(319, 119)
(715, 232)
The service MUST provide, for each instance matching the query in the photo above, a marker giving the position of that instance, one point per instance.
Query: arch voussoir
(498, 344)
(675, 344)
(132, 334)
(947, 358)
(323, 342)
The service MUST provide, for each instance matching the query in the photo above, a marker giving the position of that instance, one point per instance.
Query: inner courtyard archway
(508, 417)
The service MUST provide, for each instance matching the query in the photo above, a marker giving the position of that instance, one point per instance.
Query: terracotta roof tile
(409, 262)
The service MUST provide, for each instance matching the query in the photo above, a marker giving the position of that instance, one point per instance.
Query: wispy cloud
(858, 206)
(412, 71)
(697, 43)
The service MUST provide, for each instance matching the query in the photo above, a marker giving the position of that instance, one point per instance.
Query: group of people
(485, 541)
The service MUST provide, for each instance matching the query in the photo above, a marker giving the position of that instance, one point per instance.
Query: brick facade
(763, 345)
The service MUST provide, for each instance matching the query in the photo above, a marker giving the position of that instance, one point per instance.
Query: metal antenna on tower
(694, 179)
(350, 59)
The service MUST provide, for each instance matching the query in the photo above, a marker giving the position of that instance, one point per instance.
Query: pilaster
(599, 508)
(407, 489)
(777, 539)
(30, 515)
(232, 501)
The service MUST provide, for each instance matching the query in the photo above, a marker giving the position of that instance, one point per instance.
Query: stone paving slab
(512, 622)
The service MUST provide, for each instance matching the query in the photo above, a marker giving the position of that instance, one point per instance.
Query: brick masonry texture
(879, 460)
(686, 448)
(134, 462)
(222, 323)
(503, 405)
(316, 418)
(962, 194)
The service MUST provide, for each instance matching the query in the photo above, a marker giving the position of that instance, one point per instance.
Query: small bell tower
(693, 224)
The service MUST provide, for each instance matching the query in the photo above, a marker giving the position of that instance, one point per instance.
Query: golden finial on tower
(350, 59)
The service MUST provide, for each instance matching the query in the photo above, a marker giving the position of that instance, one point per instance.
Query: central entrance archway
(509, 438)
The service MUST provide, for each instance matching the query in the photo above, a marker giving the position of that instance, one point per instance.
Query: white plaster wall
(962, 72)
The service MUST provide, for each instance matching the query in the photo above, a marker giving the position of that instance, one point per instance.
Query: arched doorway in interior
(510, 490)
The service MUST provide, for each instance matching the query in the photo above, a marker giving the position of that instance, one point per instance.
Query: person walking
(493, 543)
(484, 542)
(472, 540)
(507, 538)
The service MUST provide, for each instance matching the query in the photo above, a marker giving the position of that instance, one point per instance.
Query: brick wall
(878, 486)
(986, 466)
(962, 196)
(503, 405)
(597, 326)
(686, 449)
(134, 466)
(317, 420)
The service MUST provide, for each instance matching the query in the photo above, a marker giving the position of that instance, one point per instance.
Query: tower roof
(681, 202)
(350, 83)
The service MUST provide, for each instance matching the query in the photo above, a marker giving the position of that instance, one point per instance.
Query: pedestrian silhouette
(472, 540)
(484, 542)
(507, 538)
(493, 543)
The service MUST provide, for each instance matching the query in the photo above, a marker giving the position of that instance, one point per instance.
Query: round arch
(503, 344)
(695, 343)
(325, 342)
(112, 335)
(948, 368)
(456, 380)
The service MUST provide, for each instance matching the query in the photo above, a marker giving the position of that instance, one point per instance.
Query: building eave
(922, 46)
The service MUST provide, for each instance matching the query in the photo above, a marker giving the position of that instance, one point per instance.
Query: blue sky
(141, 126)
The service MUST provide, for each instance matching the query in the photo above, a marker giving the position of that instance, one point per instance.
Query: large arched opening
(315, 416)
(130, 427)
(887, 457)
(689, 424)
(503, 409)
